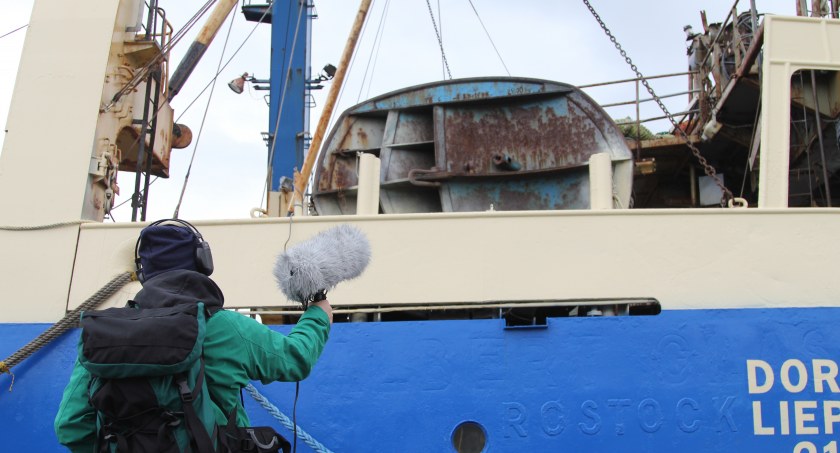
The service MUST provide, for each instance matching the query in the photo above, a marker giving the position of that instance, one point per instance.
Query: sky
(553, 40)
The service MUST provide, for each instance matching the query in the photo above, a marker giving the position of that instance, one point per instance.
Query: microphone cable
(297, 383)
(294, 415)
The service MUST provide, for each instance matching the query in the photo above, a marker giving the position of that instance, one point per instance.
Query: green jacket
(237, 350)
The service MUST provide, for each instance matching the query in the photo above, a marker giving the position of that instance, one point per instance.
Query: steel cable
(203, 118)
(489, 37)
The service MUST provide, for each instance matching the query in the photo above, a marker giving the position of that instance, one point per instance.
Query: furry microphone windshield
(320, 263)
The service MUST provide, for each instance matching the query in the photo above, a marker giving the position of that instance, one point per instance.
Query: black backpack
(147, 379)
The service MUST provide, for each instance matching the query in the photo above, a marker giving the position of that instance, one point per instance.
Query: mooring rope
(42, 227)
(70, 320)
(285, 421)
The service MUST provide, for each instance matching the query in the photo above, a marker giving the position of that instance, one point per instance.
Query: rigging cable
(489, 37)
(805, 142)
(212, 80)
(440, 41)
(16, 29)
(203, 118)
(755, 136)
(267, 9)
(349, 69)
(165, 49)
(374, 53)
(376, 57)
(129, 199)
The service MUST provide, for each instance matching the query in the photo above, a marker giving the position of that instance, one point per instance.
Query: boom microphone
(318, 264)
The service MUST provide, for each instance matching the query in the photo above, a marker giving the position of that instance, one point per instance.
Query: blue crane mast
(290, 84)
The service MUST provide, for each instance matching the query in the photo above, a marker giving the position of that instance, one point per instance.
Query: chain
(440, 41)
(710, 171)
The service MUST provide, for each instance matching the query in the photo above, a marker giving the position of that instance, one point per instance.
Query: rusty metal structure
(722, 119)
(520, 144)
(507, 144)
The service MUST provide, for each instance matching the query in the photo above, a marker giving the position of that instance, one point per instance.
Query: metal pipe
(466, 306)
(150, 20)
(199, 46)
(666, 116)
(367, 197)
(156, 76)
(600, 181)
(136, 201)
(664, 96)
(638, 125)
(720, 33)
(695, 191)
(329, 104)
(816, 8)
(506, 162)
(636, 79)
(820, 137)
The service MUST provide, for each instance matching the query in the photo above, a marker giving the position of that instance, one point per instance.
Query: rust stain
(551, 136)
(362, 137)
(344, 173)
(535, 135)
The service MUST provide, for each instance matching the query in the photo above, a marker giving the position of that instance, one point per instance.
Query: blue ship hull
(677, 381)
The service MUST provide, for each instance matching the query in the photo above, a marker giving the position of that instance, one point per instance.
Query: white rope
(285, 421)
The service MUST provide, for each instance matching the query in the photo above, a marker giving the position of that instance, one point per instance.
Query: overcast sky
(554, 40)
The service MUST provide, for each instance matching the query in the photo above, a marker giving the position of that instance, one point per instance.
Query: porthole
(469, 437)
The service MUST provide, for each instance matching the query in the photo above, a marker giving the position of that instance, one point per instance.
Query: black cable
(16, 29)
(488, 37)
(203, 118)
(294, 415)
(297, 384)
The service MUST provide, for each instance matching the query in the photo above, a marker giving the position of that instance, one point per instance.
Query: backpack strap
(198, 434)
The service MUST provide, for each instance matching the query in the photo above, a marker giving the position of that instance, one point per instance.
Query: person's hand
(325, 305)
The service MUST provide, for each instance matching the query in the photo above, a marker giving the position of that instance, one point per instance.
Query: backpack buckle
(184, 390)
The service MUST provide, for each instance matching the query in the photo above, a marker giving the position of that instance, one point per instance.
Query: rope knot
(5, 369)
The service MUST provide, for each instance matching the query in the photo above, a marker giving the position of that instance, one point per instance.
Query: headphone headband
(202, 254)
(182, 222)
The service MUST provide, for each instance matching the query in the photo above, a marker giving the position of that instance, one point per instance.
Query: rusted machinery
(506, 144)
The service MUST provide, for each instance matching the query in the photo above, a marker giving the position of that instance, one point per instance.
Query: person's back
(174, 264)
(238, 349)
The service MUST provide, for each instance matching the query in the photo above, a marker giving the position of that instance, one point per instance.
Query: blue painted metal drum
(508, 144)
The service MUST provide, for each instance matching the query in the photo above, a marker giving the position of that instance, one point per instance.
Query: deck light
(237, 85)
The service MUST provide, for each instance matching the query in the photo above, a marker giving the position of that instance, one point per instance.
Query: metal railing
(156, 28)
(721, 51)
(637, 100)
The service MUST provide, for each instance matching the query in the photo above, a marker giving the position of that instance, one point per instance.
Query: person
(237, 348)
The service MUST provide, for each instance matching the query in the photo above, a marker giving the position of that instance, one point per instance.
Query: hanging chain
(440, 41)
(710, 171)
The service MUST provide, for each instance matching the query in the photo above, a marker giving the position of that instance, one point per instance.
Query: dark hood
(177, 287)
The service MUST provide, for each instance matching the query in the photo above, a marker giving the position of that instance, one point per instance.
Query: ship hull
(693, 380)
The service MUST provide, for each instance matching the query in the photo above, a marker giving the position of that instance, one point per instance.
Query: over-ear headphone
(203, 257)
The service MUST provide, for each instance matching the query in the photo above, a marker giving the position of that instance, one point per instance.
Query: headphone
(203, 257)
